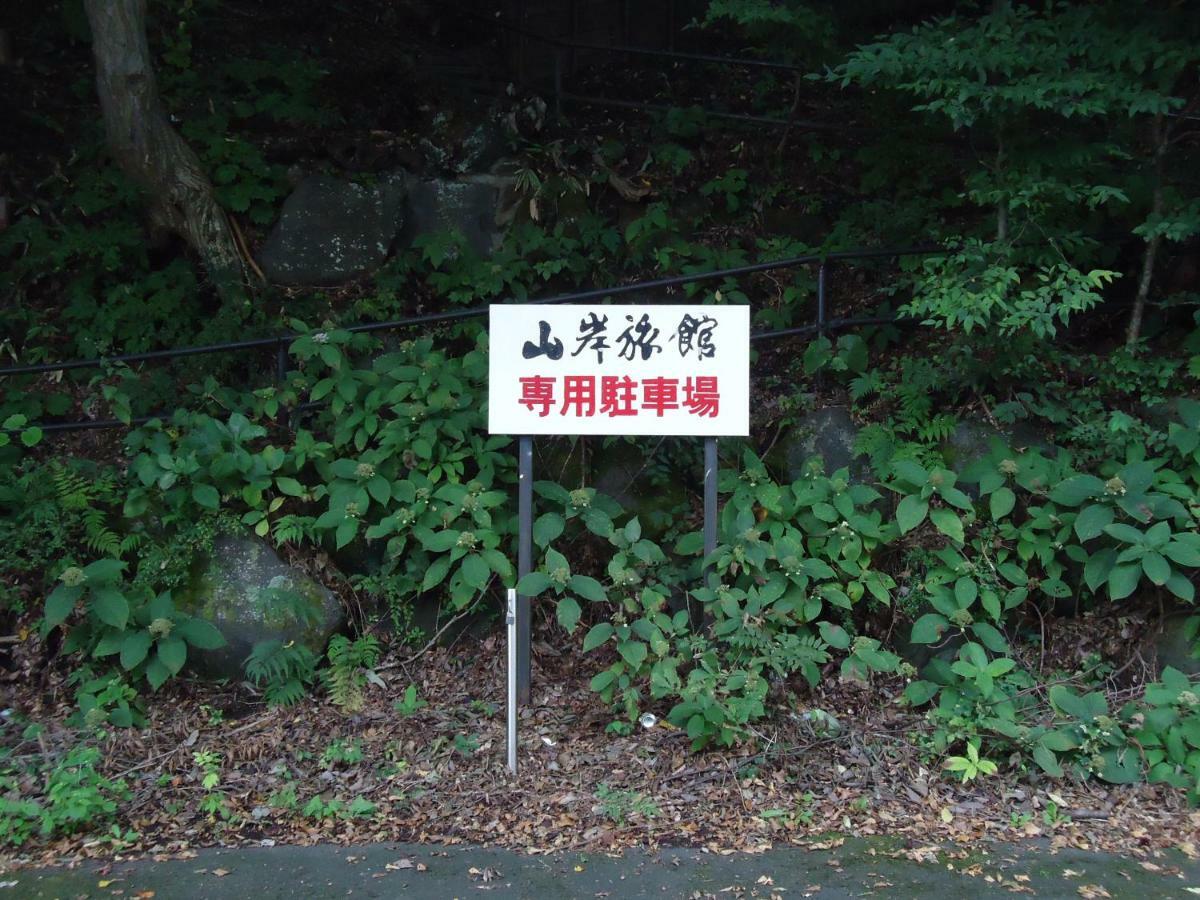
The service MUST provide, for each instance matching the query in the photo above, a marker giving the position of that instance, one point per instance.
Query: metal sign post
(710, 501)
(524, 564)
(511, 620)
(610, 369)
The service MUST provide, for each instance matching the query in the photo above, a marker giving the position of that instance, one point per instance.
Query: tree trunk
(148, 149)
(1002, 206)
(1134, 332)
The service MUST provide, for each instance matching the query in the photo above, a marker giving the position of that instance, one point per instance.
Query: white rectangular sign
(597, 369)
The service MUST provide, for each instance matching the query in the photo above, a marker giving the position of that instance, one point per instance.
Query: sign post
(511, 621)
(524, 562)
(710, 498)
(610, 370)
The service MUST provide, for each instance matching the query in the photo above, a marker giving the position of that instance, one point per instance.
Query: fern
(866, 384)
(292, 529)
(76, 493)
(938, 428)
(72, 490)
(914, 405)
(349, 662)
(283, 671)
(877, 442)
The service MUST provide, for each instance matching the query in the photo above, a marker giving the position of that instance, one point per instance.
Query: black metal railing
(821, 323)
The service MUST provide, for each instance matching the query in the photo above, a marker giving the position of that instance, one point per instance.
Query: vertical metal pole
(821, 300)
(821, 313)
(710, 501)
(281, 362)
(524, 563)
(511, 620)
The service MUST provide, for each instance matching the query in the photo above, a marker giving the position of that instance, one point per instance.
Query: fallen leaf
(220, 873)
(826, 845)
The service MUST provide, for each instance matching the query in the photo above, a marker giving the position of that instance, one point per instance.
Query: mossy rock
(827, 434)
(332, 230)
(249, 595)
(621, 472)
(1177, 643)
(469, 205)
(617, 469)
(974, 440)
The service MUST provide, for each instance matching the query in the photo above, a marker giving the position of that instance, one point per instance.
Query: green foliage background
(1055, 156)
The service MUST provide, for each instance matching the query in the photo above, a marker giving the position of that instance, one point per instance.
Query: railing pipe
(480, 311)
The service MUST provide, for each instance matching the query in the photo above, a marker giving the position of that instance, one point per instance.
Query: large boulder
(827, 435)
(249, 594)
(470, 206)
(976, 446)
(622, 472)
(1177, 642)
(331, 230)
(462, 145)
(974, 440)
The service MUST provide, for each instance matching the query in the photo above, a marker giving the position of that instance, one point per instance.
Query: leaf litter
(437, 776)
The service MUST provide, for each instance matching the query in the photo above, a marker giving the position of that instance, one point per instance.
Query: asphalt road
(855, 868)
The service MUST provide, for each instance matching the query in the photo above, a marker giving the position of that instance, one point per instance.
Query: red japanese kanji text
(620, 396)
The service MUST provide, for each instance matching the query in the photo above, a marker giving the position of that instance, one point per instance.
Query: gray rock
(469, 206)
(622, 472)
(1175, 643)
(827, 434)
(974, 439)
(974, 442)
(483, 147)
(249, 594)
(464, 143)
(562, 459)
(332, 230)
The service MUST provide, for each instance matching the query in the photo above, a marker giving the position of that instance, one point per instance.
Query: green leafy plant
(319, 808)
(342, 753)
(466, 744)
(1166, 726)
(213, 803)
(147, 634)
(350, 661)
(285, 798)
(410, 704)
(284, 671)
(970, 766)
(619, 806)
(76, 798)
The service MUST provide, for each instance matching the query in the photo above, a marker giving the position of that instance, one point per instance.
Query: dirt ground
(432, 771)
